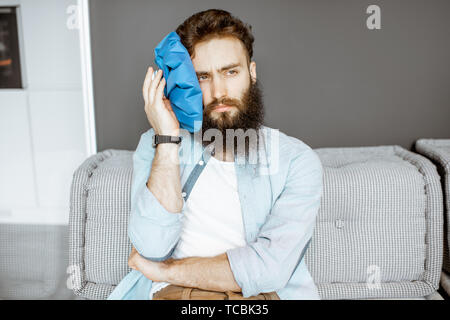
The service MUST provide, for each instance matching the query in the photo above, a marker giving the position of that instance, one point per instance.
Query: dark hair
(212, 23)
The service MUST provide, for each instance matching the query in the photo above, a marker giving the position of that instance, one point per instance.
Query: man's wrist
(167, 268)
(167, 147)
(175, 132)
(167, 153)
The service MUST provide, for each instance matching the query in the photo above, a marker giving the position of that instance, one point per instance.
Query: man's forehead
(218, 53)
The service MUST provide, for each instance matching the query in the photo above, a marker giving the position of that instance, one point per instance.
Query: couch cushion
(100, 206)
(438, 150)
(380, 217)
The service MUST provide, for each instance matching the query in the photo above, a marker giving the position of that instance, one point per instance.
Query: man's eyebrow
(227, 67)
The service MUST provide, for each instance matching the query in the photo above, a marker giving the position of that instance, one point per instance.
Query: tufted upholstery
(381, 218)
(439, 151)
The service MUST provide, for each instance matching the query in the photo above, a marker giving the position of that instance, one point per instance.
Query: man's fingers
(167, 104)
(154, 83)
(160, 89)
(146, 85)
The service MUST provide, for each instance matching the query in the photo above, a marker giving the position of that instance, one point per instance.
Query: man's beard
(250, 115)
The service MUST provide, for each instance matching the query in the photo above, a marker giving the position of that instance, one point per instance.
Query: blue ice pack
(182, 87)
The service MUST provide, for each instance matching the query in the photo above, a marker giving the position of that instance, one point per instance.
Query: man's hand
(132, 259)
(155, 271)
(157, 107)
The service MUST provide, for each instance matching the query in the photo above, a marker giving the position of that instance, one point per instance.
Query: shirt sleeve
(152, 230)
(266, 264)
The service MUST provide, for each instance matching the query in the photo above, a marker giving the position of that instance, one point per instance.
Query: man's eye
(202, 78)
(232, 71)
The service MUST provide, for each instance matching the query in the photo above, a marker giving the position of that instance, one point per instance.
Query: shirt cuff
(237, 258)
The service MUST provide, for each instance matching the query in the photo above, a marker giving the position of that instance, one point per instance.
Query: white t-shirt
(212, 222)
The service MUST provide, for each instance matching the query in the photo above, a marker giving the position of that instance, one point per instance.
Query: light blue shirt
(280, 197)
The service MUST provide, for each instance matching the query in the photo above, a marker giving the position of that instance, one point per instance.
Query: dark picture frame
(10, 69)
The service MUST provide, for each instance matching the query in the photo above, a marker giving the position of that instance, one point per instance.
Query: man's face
(225, 77)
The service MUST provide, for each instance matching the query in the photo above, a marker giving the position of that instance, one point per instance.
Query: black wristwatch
(157, 139)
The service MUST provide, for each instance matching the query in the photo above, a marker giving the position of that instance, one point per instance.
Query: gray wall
(327, 79)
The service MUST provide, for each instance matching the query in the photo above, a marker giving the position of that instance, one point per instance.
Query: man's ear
(253, 71)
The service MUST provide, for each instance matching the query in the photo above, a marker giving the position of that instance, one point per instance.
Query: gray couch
(379, 231)
(438, 150)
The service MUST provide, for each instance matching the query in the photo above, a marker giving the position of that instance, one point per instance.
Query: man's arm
(164, 180)
(267, 263)
(207, 273)
(156, 203)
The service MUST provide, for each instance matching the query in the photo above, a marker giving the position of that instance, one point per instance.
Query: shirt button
(339, 223)
(201, 162)
(183, 194)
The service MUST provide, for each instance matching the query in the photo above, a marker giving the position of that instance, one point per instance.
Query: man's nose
(219, 89)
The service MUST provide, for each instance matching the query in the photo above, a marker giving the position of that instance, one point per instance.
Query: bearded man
(220, 228)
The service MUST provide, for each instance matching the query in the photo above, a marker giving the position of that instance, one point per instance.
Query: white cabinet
(58, 143)
(17, 183)
(43, 130)
(52, 51)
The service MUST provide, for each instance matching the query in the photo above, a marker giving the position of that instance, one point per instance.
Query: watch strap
(157, 139)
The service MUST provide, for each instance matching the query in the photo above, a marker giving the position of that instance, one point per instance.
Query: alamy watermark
(258, 147)
(73, 18)
(74, 279)
(373, 280)
(373, 22)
